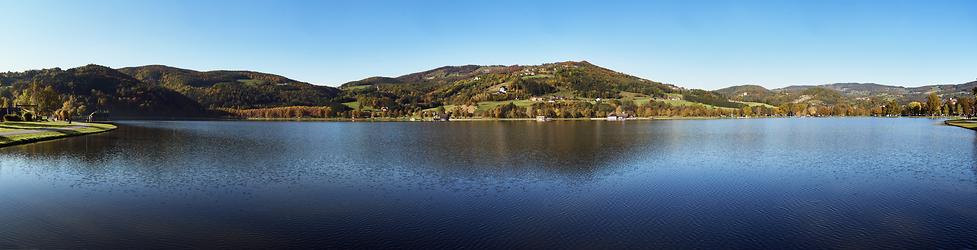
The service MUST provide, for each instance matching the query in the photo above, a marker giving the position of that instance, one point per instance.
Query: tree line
(933, 106)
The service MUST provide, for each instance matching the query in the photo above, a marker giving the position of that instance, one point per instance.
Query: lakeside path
(15, 133)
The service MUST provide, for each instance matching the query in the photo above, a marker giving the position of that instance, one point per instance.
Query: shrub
(11, 118)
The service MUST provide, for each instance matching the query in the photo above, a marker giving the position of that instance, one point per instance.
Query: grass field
(484, 106)
(688, 103)
(963, 123)
(754, 104)
(354, 105)
(41, 131)
(358, 87)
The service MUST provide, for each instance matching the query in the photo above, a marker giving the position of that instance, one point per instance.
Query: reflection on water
(770, 183)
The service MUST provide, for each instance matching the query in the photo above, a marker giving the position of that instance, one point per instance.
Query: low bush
(11, 118)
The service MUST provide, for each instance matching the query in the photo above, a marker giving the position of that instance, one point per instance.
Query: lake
(750, 183)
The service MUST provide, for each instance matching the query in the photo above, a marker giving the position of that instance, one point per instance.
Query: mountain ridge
(470, 89)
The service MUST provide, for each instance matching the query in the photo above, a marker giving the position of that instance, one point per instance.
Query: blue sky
(699, 44)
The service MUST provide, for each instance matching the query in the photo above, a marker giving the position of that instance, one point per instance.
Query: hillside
(564, 89)
(568, 78)
(101, 88)
(235, 89)
(750, 93)
(490, 86)
(844, 93)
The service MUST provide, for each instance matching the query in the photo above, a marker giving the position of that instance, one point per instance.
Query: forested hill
(566, 78)
(473, 85)
(845, 92)
(95, 88)
(236, 89)
(564, 90)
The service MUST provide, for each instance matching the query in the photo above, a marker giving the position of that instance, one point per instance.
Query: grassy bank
(14, 133)
(963, 123)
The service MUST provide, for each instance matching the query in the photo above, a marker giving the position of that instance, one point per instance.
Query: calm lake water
(759, 183)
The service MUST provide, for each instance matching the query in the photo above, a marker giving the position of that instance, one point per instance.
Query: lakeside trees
(70, 107)
(933, 104)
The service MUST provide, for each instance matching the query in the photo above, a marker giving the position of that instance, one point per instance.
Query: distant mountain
(236, 89)
(563, 89)
(943, 90)
(849, 92)
(103, 88)
(748, 93)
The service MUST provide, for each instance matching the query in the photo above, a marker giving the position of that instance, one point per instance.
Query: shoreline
(19, 133)
(962, 123)
(476, 119)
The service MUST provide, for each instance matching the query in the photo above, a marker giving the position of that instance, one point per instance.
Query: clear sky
(699, 44)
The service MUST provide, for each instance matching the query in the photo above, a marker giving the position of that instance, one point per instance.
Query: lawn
(485, 106)
(47, 131)
(358, 87)
(488, 105)
(754, 104)
(963, 123)
(354, 105)
(688, 103)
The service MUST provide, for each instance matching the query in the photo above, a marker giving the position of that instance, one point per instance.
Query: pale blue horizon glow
(696, 44)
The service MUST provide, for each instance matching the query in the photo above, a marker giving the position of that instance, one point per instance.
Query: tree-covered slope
(96, 88)
(472, 84)
(235, 89)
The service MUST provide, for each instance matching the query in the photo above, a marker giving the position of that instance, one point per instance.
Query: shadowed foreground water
(764, 183)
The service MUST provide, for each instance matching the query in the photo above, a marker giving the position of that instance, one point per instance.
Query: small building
(503, 90)
(615, 117)
(444, 117)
